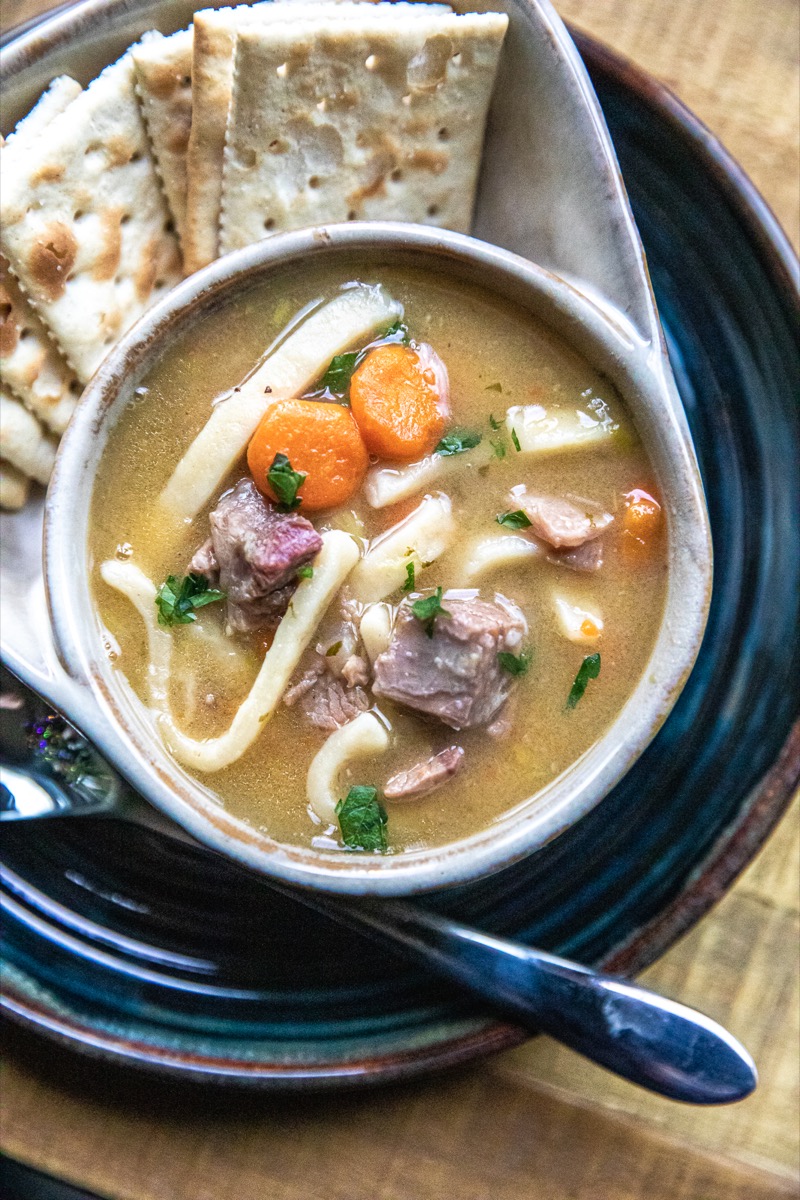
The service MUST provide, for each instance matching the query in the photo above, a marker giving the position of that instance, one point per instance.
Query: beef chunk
(561, 522)
(454, 674)
(325, 699)
(425, 776)
(586, 558)
(257, 552)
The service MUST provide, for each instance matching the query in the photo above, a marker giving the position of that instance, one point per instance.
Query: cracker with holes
(85, 227)
(366, 120)
(164, 86)
(212, 81)
(30, 365)
(212, 75)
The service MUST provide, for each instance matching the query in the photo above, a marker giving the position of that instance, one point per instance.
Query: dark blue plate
(133, 946)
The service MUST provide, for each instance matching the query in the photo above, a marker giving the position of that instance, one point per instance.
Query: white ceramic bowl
(104, 704)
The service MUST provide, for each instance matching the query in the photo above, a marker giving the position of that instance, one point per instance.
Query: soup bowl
(104, 705)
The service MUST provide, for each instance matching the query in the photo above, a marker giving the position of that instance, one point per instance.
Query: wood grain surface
(536, 1123)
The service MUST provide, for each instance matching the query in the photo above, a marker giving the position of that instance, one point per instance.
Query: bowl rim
(123, 733)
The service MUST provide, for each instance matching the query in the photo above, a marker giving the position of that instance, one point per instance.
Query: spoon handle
(645, 1038)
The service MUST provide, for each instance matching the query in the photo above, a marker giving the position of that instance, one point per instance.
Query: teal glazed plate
(127, 944)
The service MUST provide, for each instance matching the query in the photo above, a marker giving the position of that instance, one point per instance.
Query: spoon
(646, 1038)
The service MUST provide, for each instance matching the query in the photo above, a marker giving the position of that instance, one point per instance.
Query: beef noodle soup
(381, 555)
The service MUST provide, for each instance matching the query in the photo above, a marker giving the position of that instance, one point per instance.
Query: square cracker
(212, 81)
(367, 120)
(164, 86)
(30, 365)
(85, 227)
(212, 76)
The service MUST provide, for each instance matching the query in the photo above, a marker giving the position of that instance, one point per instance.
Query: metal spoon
(647, 1039)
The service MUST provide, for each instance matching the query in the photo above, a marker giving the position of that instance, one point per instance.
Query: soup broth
(596, 625)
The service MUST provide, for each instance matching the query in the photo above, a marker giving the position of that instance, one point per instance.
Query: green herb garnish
(493, 421)
(408, 586)
(333, 649)
(397, 332)
(305, 572)
(494, 387)
(429, 609)
(515, 440)
(362, 820)
(457, 442)
(513, 520)
(336, 379)
(589, 669)
(499, 447)
(513, 663)
(177, 599)
(285, 483)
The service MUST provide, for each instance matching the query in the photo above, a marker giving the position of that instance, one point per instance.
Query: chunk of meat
(325, 699)
(254, 554)
(425, 776)
(561, 522)
(204, 562)
(586, 558)
(454, 674)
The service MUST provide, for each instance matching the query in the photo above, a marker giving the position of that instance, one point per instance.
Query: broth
(496, 356)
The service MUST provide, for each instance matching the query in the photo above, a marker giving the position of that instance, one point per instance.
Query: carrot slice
(641, 524)
(398, 397)
(320, 440)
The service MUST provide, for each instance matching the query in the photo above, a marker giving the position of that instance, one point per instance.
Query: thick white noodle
(388, 485)
(549, 431)
(421, 538)
(357, 739)
(332, 565)
(375, 628)
(485, 554)
(302, 358)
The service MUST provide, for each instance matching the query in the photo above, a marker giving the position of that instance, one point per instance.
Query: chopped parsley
(515, 440)
(305, 572)
(457, 442)
(336, 379)
(177, 599)
(499, 447)
(493, 421)
(513, 663)
(363, 820)
(285, 483)
(589, 669)
(397, 332)
(408, 586)
(333, 649)
(513, 520)
(429, 609)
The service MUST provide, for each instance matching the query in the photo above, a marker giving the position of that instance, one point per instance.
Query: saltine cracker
(361, 120)
(85, 226)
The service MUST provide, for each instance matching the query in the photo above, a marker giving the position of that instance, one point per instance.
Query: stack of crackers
(257, 119)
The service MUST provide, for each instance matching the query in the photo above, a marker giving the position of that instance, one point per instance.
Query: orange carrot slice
(398, 396)
(320, 440)
(641, 524)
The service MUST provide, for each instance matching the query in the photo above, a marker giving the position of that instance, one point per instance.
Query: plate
(129, 945)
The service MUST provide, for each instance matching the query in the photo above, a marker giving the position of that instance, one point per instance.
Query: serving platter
(135, 946)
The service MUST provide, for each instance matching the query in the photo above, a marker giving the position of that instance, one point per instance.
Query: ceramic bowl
(121, 726)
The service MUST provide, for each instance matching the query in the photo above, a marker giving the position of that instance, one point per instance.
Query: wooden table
(536, 1123)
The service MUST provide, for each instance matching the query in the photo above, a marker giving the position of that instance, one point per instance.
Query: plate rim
(724, 861)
